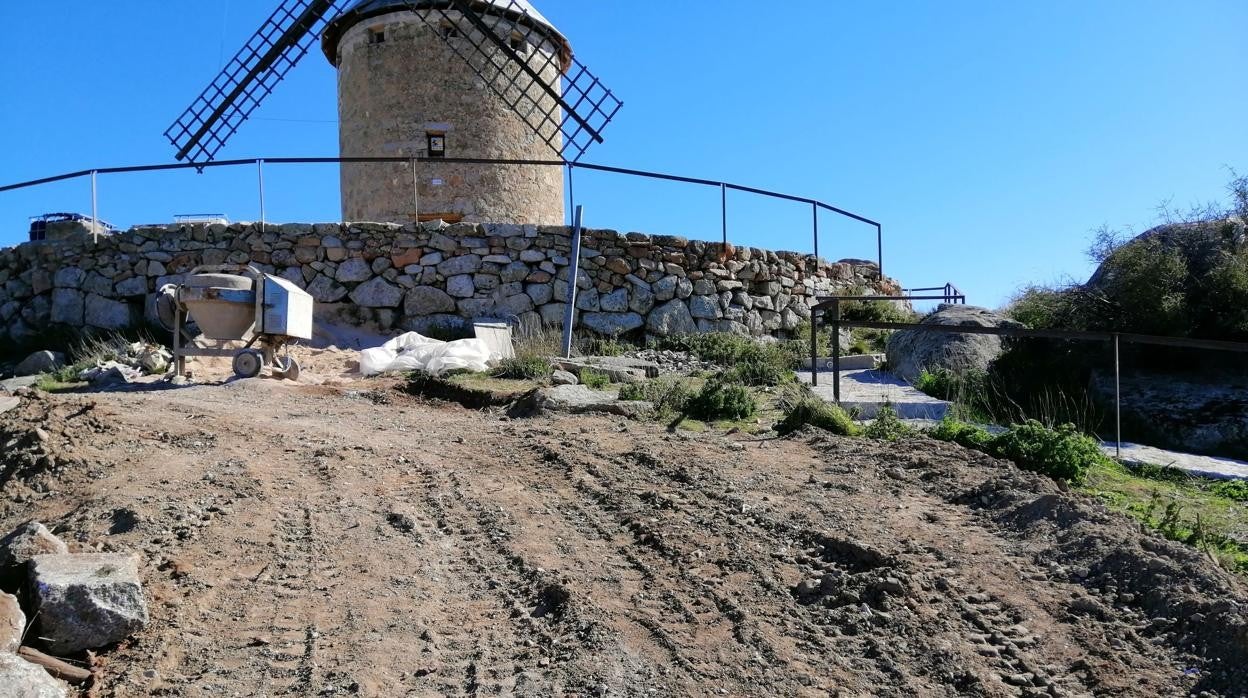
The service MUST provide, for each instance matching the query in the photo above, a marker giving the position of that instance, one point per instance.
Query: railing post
(879, 249)
(723, 211)
(95, 211)
(571, 193)
(814, 347)
(814, 210)
(836, 350)
(574, 267)
(260, 178)
(1117, 402)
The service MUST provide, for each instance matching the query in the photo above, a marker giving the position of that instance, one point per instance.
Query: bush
(524, 368)
(968, 435)
(763, 364)
(601, 346)
(595, 380)
(669, 395)
(1061, 453)
(720, 400)
(723, 348)
(801, 407)
(887, 425)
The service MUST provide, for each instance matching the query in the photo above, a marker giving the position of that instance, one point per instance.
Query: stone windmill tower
(441, 85)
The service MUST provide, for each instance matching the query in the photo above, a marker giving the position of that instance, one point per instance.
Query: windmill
(440, 80)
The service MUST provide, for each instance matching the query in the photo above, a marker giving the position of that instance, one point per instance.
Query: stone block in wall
(461, 286)
(612, 324)
(109, 314)
(684, 288)
(464, 264)
(476, 307)
(587, 299)
(325, 290)
(442, 243)
(37, 311)
(641, 300)
(665, 288)
(67, 307)
(69, 277)
(516, 304)
(615, 301)
(671, 318)
(516, 271)
(485, 281)
(428, 300)
(354, 270)
(706, 307)
(540, 293)
(377, 293)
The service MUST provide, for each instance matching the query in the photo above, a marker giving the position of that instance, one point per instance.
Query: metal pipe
(574, 268)
(879, 249)
(95, 212)
(260, 177)
(571, 194)
(723, 212)
(814, 348)
(814, 210)
(836, 351)
(1117, 402)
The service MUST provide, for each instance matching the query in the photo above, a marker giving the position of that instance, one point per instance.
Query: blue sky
(989, 138)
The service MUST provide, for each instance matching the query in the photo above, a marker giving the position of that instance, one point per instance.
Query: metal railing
(831, 305)
(951, 293)
(259, 163)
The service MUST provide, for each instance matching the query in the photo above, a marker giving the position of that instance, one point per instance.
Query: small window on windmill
(376, 35)
(448, 30)
(437, 144)
(518, 44)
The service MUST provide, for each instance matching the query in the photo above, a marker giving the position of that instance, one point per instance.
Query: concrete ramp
(869, 389)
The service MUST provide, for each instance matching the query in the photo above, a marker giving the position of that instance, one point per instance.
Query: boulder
(561, 377)
(577, 399)
(21, 679)
(12, 623)
(911, 351)
(110, 373)
(377, 293)
(671, 318)
(461, 286)
(615, 301)
(87, 601)
(40, 362)
(427, 300)
(20, 545)
(611, 324)
(706, 307)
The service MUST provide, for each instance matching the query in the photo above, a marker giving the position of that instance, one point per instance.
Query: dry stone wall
(415, 276)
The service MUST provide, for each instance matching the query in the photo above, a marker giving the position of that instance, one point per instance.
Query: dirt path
(303, 540)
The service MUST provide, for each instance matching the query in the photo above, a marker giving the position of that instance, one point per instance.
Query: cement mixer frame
(281, 315)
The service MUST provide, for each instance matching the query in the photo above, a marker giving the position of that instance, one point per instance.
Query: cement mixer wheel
(248, 363)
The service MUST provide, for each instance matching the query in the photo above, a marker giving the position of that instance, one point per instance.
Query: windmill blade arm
(249, 77)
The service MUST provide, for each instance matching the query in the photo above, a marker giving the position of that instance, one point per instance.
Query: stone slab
(87, 601)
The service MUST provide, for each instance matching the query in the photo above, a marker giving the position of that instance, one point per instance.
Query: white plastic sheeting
(416, 352)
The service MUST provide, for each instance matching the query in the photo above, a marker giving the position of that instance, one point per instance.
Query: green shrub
(763, 364)
(720, 400)
(887, 425)
(668, 394)
(524, 368)
(591, 345)
(723, 348)
(595, 380)
(968, 435)
(1061, 453)
(801, 407)
(875, 311)
(1236, 490)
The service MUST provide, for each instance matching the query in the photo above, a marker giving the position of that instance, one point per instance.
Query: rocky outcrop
(911, 351)
(390, 276)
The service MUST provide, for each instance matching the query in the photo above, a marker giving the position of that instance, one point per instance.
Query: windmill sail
(569, 116)
(249, 77)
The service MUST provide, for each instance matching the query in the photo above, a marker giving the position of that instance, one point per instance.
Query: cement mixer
(237, 304)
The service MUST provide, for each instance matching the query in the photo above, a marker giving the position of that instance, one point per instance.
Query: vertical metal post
(814, 347)
(260, 177)
(1117, 402)
(571, 194)
(415, 192)
(723, 211)
(879, 249)
(814, 210)
(95, 211)
(836, 350)
(574, 268)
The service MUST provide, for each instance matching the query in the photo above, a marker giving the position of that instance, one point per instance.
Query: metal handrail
(815, 204)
